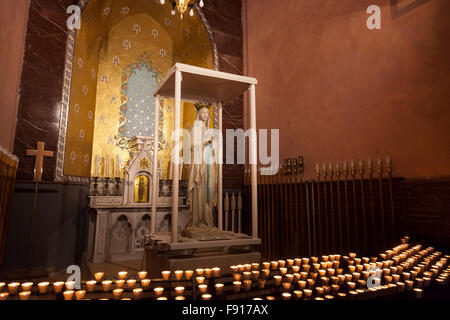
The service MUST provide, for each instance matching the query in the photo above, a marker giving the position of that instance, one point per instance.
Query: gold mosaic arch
(112, 33)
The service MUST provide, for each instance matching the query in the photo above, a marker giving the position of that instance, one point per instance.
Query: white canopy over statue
(205, 87)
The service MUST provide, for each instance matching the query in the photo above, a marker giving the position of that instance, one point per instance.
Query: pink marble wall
(338, 91)
(13, 18)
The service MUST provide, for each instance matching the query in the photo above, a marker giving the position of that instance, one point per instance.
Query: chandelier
(183, 5)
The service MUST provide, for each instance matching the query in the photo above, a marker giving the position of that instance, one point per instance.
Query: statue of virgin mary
(203, 177)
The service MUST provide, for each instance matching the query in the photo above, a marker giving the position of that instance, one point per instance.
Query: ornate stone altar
(121, 224)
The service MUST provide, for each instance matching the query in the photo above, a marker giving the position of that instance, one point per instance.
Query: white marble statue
(203, 177)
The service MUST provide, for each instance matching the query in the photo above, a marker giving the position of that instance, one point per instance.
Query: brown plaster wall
(13, 18)
(338, 91)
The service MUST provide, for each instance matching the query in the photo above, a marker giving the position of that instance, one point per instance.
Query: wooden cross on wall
(40, 153)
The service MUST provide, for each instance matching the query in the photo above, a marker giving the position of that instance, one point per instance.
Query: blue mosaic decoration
(139, 82)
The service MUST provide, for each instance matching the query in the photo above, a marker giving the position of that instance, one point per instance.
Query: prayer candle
(137, 293)
(188, 274)
(106, 285)
(131, 283)
(145, 283)
(24, 295)
(79, 295)
(122, 275)
(13, 287)
(43, 286)
(90, 285)
(68, 294)
(286, 296)
(142, 275)
(179, 290)
(117, 293)
(4, 295)
(165, 275)
(98, 276)
(57, 286)
(158, 291)
(219, 288)
(178, 274)
(202, 288)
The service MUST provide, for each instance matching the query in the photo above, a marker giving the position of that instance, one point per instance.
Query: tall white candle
(117, 166)
(107, 166)
(96, 165)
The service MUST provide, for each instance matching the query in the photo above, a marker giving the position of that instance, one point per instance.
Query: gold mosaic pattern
(113, 34)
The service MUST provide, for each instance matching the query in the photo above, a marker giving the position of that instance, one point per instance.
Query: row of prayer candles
(402, 267)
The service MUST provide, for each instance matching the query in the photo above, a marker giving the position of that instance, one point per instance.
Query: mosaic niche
(136, 118)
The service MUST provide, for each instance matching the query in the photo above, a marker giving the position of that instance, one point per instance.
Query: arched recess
(114, 35)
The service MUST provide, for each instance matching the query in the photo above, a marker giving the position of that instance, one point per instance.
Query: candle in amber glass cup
(247, 267)
(43, 287)
(247, 284)
(70, 285)
(298, 261)
(255, 266)
(178, 274)
(298, 294)
(290, 262)
(90, 285)
(58, 286)
(241, 267)
(289, 278)
(142, 275)
(265, 273)
(274, 265)
(302, 284)
(161, 298)
(158, 291)
(188, 274)
(219, 288)
(4, 296)
(79, 294)
(145, 283)
(295, 269)
(286, 296)
(137, 293)
(236, 286)
(247, 275)
(24, 295)
(131, 283)
(117, 293)
(277, 280)
(206, 296)
(98, 276)
(180, 298)
(68, 294)
(202, 288)
(216, 271)
(266, 265)
(237, 276)
(208, 272)
(200, 280)
(122, 275)
(179, 290)
(120, 283)
(283, 271)
(281, 263)
(165, 274)
(26, 286)
(255, 274)
(106, 285)
(286, 286)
